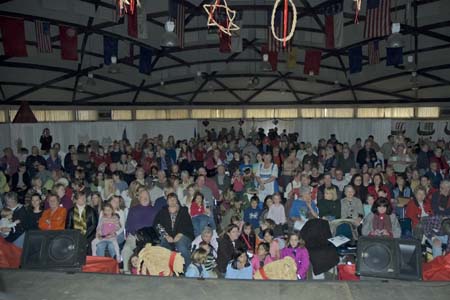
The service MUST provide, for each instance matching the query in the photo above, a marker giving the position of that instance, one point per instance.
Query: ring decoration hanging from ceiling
(286, 37)
(211, 9)
(357, 10)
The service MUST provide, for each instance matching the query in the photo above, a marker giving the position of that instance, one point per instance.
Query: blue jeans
(199, 222)
(20, 240)
(183, 246)
(101, 247)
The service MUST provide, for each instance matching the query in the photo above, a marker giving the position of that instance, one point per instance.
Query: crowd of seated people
(229, 203)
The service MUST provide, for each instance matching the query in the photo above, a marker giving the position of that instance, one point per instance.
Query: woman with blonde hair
(130, 195)
(190, 192)
(108, 190)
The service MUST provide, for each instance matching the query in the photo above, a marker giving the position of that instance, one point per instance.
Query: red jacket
(442, 164)
(371, 190)
(414, 212)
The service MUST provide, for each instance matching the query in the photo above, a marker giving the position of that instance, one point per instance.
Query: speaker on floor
(389, 258)
(63, 250)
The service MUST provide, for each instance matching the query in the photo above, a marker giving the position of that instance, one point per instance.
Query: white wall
(310, 130)
(68, 133)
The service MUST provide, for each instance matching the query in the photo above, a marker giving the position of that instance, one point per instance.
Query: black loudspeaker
(63, 250)
(389, 258)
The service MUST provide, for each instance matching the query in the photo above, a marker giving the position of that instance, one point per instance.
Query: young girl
(381, 221)
(210, 262)
(197, 268)
(238, 183)
(276, 211)
(274, 244)
(7, 222)
(118, 205)
(134, 264)
(239, 267)
(198, 213)
(107, 227)
(248, 238)
(262, 257)
(296, 249)
(368, 206)
(188, 199)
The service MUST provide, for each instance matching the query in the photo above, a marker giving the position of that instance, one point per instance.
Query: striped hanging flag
(179, 28)
(334, 25)
(378, 19)
(275, 45)
(373, 52)
(43, 37)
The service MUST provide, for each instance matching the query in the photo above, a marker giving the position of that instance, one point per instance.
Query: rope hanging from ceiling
(286, 37)
(212, 9)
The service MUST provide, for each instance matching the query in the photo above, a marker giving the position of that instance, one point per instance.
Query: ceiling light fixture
(395, 40)
(265, 65)
(198, 79)
(253, 82)
(90, 81)
(169, 38)
(114, 67)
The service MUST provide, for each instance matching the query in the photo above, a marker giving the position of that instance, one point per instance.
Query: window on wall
(269, 113)
(285, 113)
(428, 112)
(87, 115)
(47, 115)
(121, 114)
(326, 112)
(370, 112)
(58, 115)
(2, 116)
(399, 112)
(216, 113)
(150, 114)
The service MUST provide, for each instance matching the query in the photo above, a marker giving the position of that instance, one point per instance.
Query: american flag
(378, 18)
(373, 52)
(43, 37)
(179, 29)
(275, 45)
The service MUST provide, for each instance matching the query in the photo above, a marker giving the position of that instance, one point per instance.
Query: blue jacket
(245, 273)
(194, 271)
(252, 216)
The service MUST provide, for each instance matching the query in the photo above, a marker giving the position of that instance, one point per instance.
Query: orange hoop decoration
(231, 15)
(294, 22)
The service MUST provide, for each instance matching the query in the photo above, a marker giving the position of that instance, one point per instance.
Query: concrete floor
(34, 285)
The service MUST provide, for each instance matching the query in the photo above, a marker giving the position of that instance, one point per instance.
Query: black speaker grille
(377, 257)
(61, 249)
